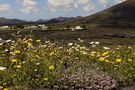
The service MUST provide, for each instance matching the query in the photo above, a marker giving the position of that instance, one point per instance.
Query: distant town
(39, 27)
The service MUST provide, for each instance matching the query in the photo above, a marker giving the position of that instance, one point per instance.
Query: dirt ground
(104, 36)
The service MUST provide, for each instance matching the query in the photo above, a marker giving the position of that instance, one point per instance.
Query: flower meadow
(28, 64)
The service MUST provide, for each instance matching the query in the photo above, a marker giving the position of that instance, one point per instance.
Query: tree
(68, 27)
(83, 26)
(19, 26)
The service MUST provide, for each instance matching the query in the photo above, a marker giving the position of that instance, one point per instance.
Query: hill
(5, 21)
(55, 20)
(121, 15)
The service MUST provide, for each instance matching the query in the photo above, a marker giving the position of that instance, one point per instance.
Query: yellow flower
(130, 60)
(35, 51)
(118, 60)
(38, 41)
(13, 60)
(5, 89)
(110, 62)
(107, 61)
(17, 52)
(17, 66)
(105, 53)
(51, 67)
(52, 53)
(29, 44)
(46, 79)
(1, 87)
(92, 55)
(30, 39)
(101, 59)
(24, 42)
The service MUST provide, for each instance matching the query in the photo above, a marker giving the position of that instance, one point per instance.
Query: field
(106, 36)
(94, 59)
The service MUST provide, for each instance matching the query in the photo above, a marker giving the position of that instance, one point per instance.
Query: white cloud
(69, 5)
(28, 9)
(103, 1)
(89, 7)
(83, 1)
(119, 1)
(28, 2)
(28, 6)
(5, 8)
(55, 5)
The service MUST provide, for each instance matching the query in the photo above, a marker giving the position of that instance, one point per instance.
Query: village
(38, 27)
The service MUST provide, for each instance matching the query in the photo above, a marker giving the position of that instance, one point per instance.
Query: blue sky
(46, 9)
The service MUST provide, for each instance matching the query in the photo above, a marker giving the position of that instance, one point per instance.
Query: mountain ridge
(6, 21)
(120, 15)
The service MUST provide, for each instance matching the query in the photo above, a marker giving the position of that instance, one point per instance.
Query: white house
(33, 27)
(78, 28)
(72, 29)
(30, 27)
(4, 27)
(42, 26)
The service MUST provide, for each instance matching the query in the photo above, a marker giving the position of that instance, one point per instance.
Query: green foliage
(72, 66)
(84, 26)
(19, 26)
(67, 26)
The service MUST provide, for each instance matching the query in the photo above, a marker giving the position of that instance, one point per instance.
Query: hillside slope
(121, 15)
(5, 21)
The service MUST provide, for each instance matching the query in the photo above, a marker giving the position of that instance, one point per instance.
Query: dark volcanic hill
(121, 15)
(55, 20)
(5, 21)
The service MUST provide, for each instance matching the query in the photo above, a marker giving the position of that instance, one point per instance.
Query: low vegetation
(32, 64)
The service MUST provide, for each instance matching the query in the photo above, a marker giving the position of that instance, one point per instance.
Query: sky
(32, 10)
